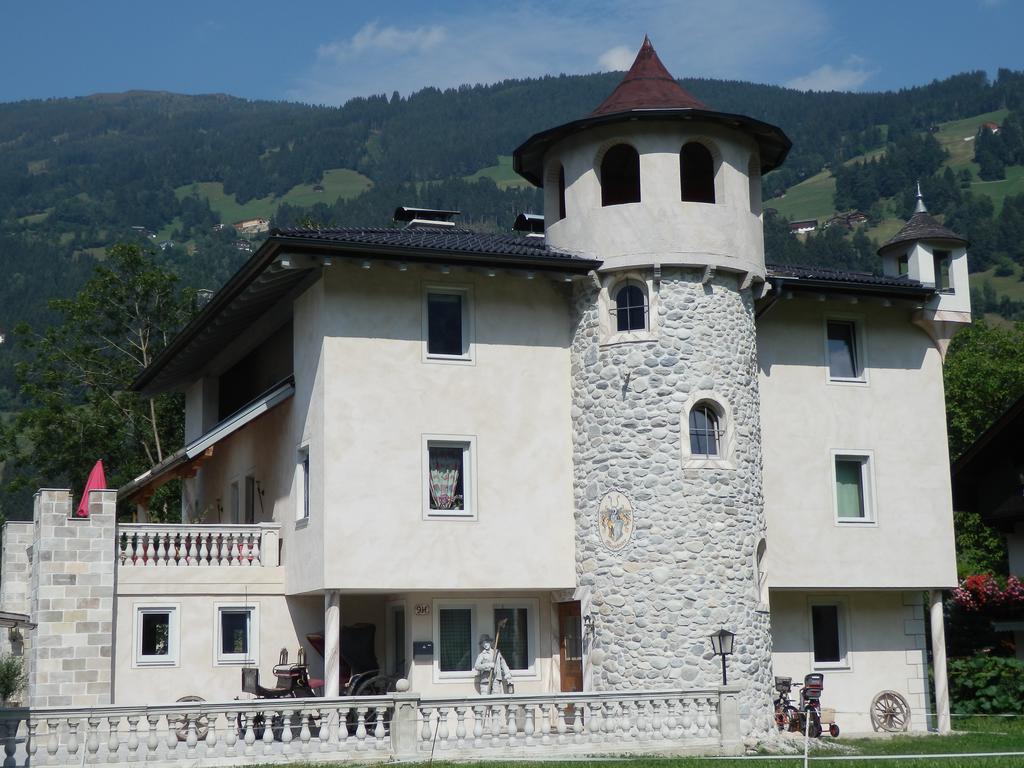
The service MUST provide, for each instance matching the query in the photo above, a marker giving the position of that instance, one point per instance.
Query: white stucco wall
(660, 228)
(897, 416)
(885, 639)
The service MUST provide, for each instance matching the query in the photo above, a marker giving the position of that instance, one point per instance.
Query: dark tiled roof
(647, 85)
(839, 277)
(922, 227)
(434, 239)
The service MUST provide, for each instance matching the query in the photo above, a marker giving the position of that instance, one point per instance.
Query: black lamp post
(721, 644)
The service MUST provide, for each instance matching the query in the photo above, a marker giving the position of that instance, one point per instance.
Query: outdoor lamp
(721, 644)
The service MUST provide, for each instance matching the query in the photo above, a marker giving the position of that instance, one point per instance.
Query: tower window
(620, 175)
(942, 260)
(705, 431)
(630, 307)
(697, 173)
(561, 192)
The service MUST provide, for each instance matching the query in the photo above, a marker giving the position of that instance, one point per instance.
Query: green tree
(77, 374)
(984, 375)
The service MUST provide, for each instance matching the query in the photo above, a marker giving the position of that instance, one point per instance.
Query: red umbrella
(96, 481)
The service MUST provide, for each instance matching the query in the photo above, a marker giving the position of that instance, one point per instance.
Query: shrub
(986, 685)
(12, 676)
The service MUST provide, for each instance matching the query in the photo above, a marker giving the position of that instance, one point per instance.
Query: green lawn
(502, 174)
(812, 198)
(952, 137)
(36, 218)
(337, 183)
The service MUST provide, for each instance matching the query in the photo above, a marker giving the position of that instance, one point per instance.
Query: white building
(617, 439)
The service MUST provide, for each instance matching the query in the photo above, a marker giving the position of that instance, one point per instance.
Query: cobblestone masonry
(72, 601)
(14, 579)
(689, 567)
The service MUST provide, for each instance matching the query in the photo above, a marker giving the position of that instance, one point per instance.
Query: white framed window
(237, 634)
(628, 308)
(448, 476)
(302, 484)
(448, 323)
(853, 487)
(941, 262)
(829, 634)
(156, 635)
(708, 434)
(459, 625)
(845, 351)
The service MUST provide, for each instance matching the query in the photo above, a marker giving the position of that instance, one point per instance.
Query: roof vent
(531, 223)
(425, 217)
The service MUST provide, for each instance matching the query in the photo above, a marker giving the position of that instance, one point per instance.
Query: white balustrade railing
(156, 544)
(400, 725)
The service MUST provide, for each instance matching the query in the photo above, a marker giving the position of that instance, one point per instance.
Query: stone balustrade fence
(398, 725)
(157, 544)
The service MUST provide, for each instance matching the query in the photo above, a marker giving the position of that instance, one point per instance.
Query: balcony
(153, 545)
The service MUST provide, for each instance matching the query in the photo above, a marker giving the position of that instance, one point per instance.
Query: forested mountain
(80, 174)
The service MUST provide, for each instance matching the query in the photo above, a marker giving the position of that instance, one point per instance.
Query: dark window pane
(620, 176)
(444, 324)
(561, 192)
(842, 351)
(513, 641)
(630, 309)
(234, 632)
(825, 629)
(455, 641)
(697, 174)
(398, 648)
(156, 633)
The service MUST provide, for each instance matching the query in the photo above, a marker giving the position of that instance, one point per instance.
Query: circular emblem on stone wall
(615, 520)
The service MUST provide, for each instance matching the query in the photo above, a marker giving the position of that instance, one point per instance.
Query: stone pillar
(72, 601)
(14, 580)
(939, 661)
(729, 720)
(332, 642)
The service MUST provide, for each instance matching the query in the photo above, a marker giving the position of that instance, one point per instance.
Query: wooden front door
(570, 646)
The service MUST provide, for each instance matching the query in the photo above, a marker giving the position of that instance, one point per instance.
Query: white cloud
(488, 43)
(617, 59)
(850, 77)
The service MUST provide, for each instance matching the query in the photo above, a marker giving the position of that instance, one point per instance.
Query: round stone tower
(669, 516)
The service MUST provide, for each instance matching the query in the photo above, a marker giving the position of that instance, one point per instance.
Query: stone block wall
(688, 566)
(72, 601)
(14, 578)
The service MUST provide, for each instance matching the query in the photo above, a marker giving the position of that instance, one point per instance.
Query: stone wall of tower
(688, 568)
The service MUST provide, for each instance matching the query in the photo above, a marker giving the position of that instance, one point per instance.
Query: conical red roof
(647, 85)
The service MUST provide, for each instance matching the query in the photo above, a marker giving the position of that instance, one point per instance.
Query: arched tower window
(705, 431)
(620, 175)
(697, 173)
(561, 192)
(630, 307)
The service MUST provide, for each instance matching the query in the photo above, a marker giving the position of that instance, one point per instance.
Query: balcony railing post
(269, 552)
(404, 733)
(729, 720)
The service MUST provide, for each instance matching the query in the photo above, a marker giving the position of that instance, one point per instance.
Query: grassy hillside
(502, 174)
(337, 183)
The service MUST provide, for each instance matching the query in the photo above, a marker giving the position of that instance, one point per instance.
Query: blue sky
(327, 52)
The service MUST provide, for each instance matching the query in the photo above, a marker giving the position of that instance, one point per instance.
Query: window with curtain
(455, 640)
(447, 476)
(514, 641)
(851, 488)
(705, 431)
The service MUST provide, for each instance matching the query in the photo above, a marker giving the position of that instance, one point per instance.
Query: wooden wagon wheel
(890, 712)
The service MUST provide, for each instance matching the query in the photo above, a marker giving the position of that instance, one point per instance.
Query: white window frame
(468, 324)
(173, 610)
(468, 445)
(481, 621)
(867, 479)
(222, 659)
(606, 306)
(302, 485)
(843, 617)
(860, 350)
(727, 446)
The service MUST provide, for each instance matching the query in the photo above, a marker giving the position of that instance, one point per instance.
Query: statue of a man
(490, 664)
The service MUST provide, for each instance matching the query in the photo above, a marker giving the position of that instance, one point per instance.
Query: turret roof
(647, 85)
(921, 226)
